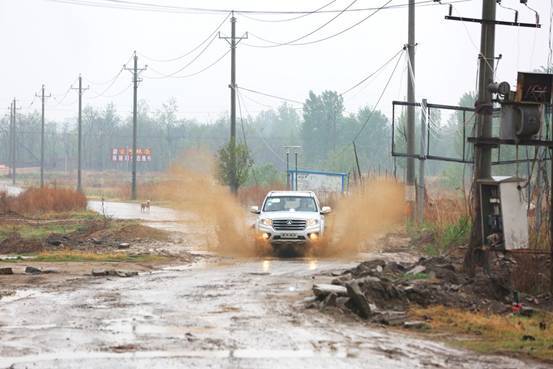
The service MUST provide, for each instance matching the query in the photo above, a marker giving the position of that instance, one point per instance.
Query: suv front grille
(289, 224)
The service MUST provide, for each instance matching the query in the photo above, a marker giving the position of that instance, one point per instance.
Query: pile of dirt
(129, 232)
(95, 236)
(14, 244)
(383, 291)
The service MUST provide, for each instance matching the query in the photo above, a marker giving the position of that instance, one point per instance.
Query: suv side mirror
(255, 210)
(326, 210)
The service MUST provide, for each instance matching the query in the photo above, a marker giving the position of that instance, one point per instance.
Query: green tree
(233, 165)
(323, 116)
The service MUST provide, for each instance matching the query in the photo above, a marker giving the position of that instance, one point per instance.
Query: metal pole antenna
(42, 97)
(296, 175)
(135, 72)
(410, 180)
(287, 170)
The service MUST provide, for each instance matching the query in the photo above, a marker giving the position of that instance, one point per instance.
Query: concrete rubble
(382, 291)
(113, 273)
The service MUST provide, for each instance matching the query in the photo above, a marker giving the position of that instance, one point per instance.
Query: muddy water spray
(367, 211)
(218, 213)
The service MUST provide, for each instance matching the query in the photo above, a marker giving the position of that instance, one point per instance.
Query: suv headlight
(312, 222)
(267, 222)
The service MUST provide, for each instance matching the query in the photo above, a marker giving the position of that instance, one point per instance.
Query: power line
(258, 134)
(377, 102)
(109, 80)
(293, 43)
(318, 10)
(169, 75)
(269, 95)
(200, 71)
(373, 73)
(114, 79)
(193, 49)
(153, 7)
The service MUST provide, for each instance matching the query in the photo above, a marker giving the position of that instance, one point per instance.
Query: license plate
(289, 235)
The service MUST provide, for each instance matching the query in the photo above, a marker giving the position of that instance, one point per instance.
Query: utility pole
(135, 72)
(79, 135)
(422, 161)
(289, 183)
(410, 180)
(484, 111)
(233, 42)
(13, 140)
(10, 146)
(42, 96)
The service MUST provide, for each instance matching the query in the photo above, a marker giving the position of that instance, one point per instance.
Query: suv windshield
(290, 203)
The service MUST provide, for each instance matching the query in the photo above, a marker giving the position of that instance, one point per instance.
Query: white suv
(290, 217)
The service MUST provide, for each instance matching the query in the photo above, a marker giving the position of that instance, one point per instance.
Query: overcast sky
(51, 43)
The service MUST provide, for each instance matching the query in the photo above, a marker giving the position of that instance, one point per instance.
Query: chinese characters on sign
(125, 154)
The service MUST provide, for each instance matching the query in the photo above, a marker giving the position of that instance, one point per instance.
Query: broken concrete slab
(416, 324)
(113, 273)
(6, 271)
(359, 300)
(389, 317)
(322, 290)
(330, 300)
(32, 270)
(99, 272)
(416, 270)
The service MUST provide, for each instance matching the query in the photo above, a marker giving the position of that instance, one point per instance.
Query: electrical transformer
(521, 121)
(504, 208)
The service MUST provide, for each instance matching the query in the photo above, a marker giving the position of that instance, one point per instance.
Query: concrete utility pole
(79, 135)
(42, 97)
(484, 110)
(135, 72)
(422, 162)
(13, 140)
(233, 42)
(410, 180)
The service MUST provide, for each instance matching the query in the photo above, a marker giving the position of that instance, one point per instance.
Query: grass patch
(30, 232)
(417, 276)
(437, 238)
(493, 333)
(76, 256)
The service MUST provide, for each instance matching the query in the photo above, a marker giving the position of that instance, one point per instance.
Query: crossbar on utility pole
(79, 134)
(135, 73)
(42, 99)
(233, 42)
(410, 180)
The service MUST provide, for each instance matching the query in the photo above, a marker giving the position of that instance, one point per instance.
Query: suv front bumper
(308, 235)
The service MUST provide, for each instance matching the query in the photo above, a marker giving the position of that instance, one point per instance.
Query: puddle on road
(18, 295)
(184, 354)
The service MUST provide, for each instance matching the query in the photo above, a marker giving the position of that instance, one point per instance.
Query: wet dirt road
(219, 313)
